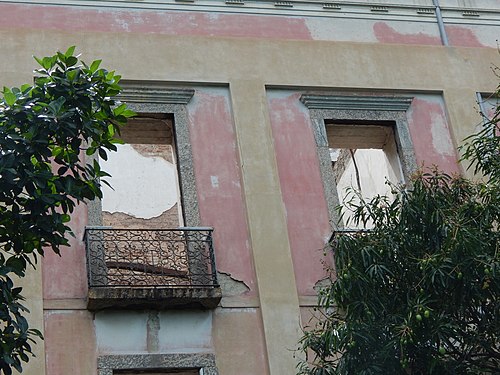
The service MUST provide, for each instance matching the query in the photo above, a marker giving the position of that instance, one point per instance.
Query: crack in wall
(231, 286)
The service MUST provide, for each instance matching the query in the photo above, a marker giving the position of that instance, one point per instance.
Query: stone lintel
(108, 363)
(151, 92)
(356, 102)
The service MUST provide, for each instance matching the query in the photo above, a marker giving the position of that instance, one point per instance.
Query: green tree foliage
(45, 131)
(418, 293)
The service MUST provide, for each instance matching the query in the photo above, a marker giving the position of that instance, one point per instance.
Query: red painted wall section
(463, 36)
(387, 34)
(431, 134)
(69, 343)
(75, 19)
(65, 276)
(301, 187)
(220, 196)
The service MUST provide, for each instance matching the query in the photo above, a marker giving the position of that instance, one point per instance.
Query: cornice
(355, 102)
(138, 92)
(396, 10)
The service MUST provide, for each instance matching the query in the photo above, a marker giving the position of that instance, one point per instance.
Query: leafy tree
(45, 131)
(418, 293)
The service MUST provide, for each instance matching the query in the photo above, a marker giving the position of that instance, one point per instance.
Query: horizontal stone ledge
(162, 298)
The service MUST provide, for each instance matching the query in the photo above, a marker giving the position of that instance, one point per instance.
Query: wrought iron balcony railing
(144, 268)
(176, 258)
(348, 231)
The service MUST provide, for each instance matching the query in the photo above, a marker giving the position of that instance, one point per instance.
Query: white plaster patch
(374, 170)
(119, 332)
(346, 30)
(441, 139)
(215, 181)
(144, 187)
(184, 331)
(487, 35)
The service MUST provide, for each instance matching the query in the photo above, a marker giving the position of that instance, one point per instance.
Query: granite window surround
(324, 107)
(157, 98)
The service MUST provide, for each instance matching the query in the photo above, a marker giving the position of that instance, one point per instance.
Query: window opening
(144, 195)
(365, 161)
(145, 191)
(358, 110)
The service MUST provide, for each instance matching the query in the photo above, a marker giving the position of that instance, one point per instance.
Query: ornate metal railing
(347, 231)
(178, 258)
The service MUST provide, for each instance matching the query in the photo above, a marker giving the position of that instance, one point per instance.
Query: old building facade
(244, 105)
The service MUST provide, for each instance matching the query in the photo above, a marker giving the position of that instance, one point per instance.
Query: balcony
(144, 268)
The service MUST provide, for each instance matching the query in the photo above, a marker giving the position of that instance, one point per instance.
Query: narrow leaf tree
(46, 129)
(419, 293)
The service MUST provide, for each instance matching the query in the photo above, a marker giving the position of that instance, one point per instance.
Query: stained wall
(257, 173)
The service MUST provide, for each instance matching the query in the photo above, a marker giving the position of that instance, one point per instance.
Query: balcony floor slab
(162, 298)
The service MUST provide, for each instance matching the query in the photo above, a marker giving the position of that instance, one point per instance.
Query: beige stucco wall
(32, 292)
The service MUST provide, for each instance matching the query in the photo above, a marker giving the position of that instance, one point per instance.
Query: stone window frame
(203, 362)
(324, 107)
(157, 98)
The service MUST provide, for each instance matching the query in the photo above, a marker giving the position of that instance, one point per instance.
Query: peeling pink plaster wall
(430, 133)
(302, 188)
(463, 36)
(148, 21)
(218, 182)
(198, 23)
(103, 20)
(65, 276)
(69, 343)
(300, 179)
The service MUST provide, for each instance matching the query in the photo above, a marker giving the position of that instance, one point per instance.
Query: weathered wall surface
(239, 341)
(141, 332)
(300, 179)
(301, 186)
(430, 132)
(257, 175)
(69, 342)
(468, 25)
(218, 181)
